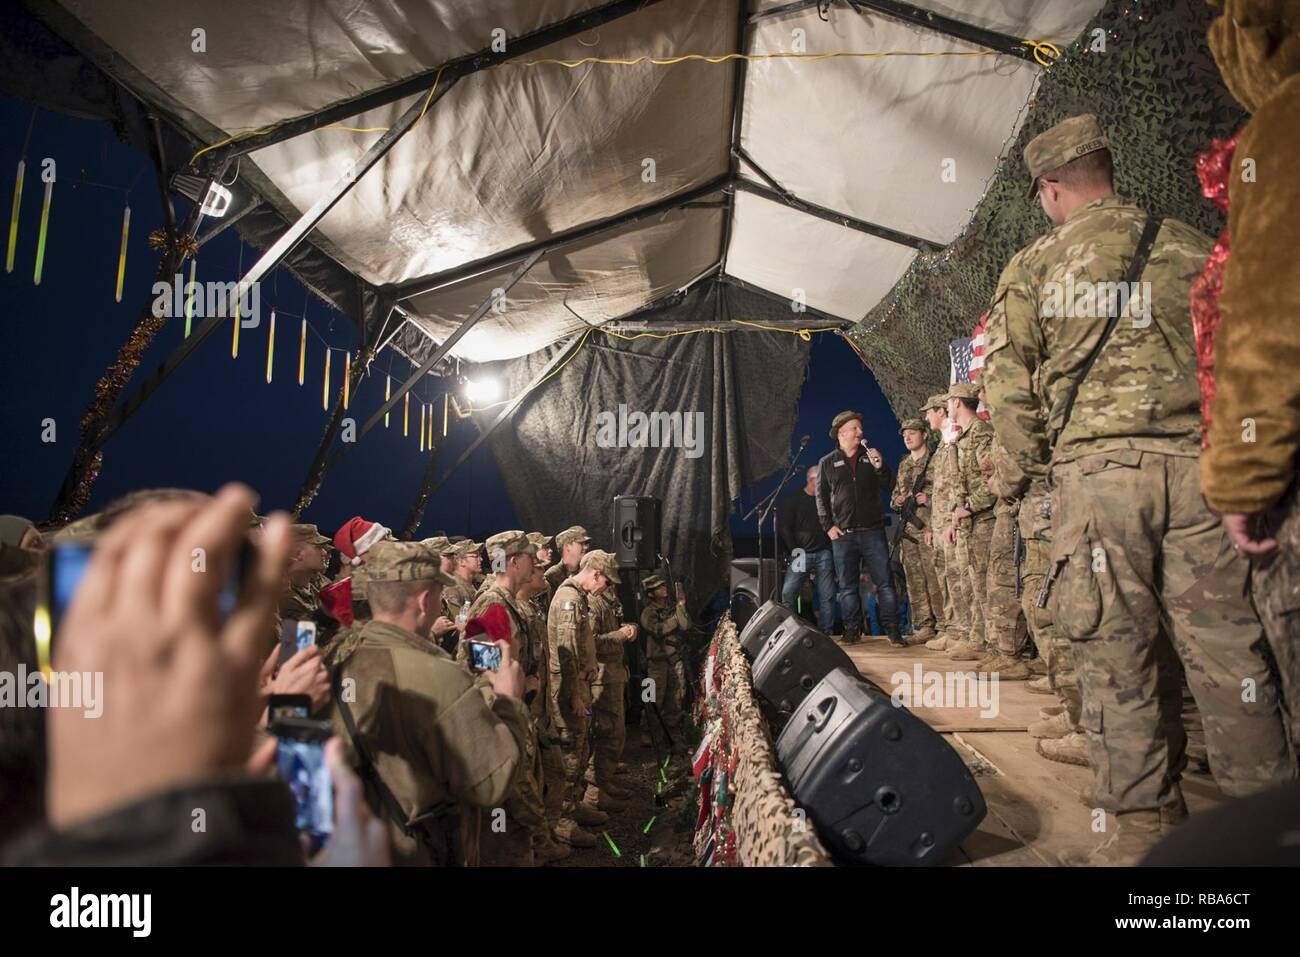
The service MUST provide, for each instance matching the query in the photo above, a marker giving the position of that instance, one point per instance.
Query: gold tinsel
(161, 239)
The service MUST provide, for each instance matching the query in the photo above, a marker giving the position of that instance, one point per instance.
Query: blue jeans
(822, 564)
(854, 551)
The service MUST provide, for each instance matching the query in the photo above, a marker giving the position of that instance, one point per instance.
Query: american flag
(966, 358)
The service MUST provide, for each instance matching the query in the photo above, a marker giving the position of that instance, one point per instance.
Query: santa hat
(356, 537)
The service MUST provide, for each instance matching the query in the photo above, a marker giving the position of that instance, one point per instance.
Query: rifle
(1017, 548)
(907, 512)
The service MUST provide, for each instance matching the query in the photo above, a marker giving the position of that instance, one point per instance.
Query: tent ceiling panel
(515, 155)
(839, 271)
(585, 284)
(1056, 20)
(266, 62)
(889, 127)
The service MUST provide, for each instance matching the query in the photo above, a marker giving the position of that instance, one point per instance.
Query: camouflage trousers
(973, 540)
(923, 595)
(610, 728)
(1134, 546)
(669, 681)
(1056, 651)
(574, 754)
(958, 585)
(1005, 627)
(553, 781)
(505, 836)
(1275, 587)
(942, 610)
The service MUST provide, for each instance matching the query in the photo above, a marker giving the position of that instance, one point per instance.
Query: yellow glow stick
(446, 407)
(189, 296)
(270, 348)
(429, 444)
(388, 394)
(45, 227)
(347, 378)
(325, 389)
(302, 351)
(406, 415)
(13, 220)
(421, 426)
(121, 256)
(234, 342)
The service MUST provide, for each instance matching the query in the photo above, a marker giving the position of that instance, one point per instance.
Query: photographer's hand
(180, 693)
(359, 839)
(303, 674)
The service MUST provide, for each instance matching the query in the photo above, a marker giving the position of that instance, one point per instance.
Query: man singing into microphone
(850, 481)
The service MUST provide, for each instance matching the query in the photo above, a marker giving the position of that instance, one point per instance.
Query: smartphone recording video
(484, 656)
(300, 758)
(294, 637)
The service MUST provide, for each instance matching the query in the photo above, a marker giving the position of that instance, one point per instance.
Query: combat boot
(568, 832)
(924, 636)
(965, 651)
(1005, 667)
(1040, 685)
(895, 637)
(1136, 832)
(851, 636)
(588, 816)
(937, 644)
(546, 850)
(603, 800)
(1051, 710)
(1038, 666)
(1070, 749)
(1171, 815)
(1052, 726)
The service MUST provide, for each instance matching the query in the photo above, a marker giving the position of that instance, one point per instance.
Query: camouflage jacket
(973, 445)
(908, 470)
(662, 621)
(568, 635)
(1047, 316)
(454, 596)
(556, 574)
(606, 620)
(535, 626)
(494, 594)
(945, 484)
(437, 733)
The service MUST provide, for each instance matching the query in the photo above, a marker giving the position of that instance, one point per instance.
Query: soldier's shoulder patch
(567, 606)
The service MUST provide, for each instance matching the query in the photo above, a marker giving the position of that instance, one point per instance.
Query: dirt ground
(656, 827)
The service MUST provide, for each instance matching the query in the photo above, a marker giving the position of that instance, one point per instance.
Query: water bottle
(464, 614)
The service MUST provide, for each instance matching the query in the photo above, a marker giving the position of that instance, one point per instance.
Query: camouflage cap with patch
(838, 422)
(915, 425)
(963, 390)
(390, 561)
(653, 582)
(510, 543)
(439, 544)
(309, 533)
(539, 539)
(575, 533)
(466, 548)
(1067, 140)
(603, 562)
(936, 401)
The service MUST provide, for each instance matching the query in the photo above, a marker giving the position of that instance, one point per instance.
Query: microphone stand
(768, 506)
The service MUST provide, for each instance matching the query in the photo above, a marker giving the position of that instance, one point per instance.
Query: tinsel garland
(1213, 167)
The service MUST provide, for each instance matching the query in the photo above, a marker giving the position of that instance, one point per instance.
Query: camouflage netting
(752, 819)
(1160, 99)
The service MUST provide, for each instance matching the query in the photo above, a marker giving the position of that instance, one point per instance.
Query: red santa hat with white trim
(357, 536)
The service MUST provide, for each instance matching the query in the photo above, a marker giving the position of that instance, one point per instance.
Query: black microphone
(804, 441)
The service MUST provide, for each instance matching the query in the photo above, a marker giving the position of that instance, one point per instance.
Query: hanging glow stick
(13, 220)
(347, 379)
(270, 348)
(234, 342)
(121, 256)
(302, 351)
(190, 295)
(430, 442)
(325, 389)
(406, 415)
(388, 394)
(45, 227)
(421, 426)
(446, 408)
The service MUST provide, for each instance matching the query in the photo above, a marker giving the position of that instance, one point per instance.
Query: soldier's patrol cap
(539, 539)
(465, 548)
(574, 534)
(438, 544)
(603, 562)
(1067, 140)
(963, 390)
(653, 582)
(510, 543)
(309, 533)
(914, 424)
(389, 561)
(839, 420)
(936, 401)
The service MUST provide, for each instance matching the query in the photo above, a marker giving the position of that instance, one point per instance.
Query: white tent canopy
(518, 155)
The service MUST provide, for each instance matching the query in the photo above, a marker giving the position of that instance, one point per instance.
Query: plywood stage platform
(1034, 808)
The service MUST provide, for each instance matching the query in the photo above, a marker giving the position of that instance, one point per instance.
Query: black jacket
(846, 503)
(799, 524)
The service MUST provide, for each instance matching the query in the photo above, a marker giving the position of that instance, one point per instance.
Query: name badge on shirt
(838, 465)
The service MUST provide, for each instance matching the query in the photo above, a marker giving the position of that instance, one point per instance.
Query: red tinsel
(1213, 167)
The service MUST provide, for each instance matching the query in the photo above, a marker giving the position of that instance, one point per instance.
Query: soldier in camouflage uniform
(609, 731)
(455, 597)
(923, 594)
(572, 543)
(935, 411)
(572, 653)
(1005, 627)
(972, 514)
(1133, 542)
(665, 624)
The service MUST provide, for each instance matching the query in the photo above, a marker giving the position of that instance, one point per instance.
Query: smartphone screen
(300, 758)
(485, 655)
(294, 637)
(283, 706)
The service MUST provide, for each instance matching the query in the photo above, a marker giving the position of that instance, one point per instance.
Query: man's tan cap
(574, 534)
(390, 561)
(963, 390)
(510, 543)
(309, 533)
(439, 544)
(937, 401)
(915, 425)
(603, 562)
(838, 422)
(1067, 140)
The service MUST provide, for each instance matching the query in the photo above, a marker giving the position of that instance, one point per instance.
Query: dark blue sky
(217, 419)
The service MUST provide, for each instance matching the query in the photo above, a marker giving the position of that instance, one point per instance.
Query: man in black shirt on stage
(802, 534)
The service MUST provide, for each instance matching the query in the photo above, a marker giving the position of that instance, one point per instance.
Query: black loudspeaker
(744, 602)
(636, 531)
(795, 657)
(764, 582)
(754, 634)
(880, 785)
